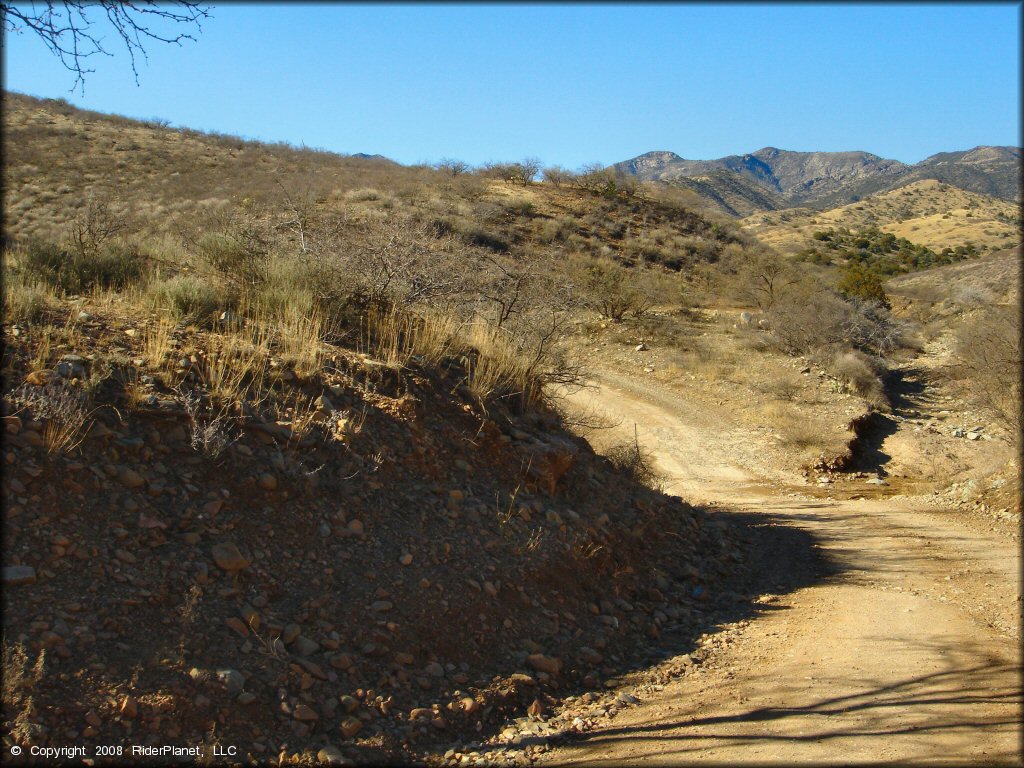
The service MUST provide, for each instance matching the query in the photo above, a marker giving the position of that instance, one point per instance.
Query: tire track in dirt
(907, 651)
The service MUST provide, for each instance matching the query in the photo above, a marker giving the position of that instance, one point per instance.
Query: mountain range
(772, 179)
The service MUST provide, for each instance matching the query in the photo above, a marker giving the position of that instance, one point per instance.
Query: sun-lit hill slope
(994, 278)
(928, 213)
(162, 180)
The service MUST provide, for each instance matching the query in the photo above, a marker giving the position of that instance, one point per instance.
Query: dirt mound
(404, 571)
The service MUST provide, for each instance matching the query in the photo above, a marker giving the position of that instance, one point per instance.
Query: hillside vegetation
(927, 213)
(286, 471)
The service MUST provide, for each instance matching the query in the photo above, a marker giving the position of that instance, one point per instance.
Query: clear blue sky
(573, 84)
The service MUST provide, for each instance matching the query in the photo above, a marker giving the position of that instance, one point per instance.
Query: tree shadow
(956, 700)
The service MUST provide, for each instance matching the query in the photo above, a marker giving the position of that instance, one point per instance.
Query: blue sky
(572, 84)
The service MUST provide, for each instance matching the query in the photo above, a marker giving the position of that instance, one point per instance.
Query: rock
(550, 460)
(418, 713)
(268, 482)
(590, 656)
(18, 574)
(379, 606)
(405, 559)
(70, 367)
(232, 679)
(303, 646)
(324, 408)
(746, 318)
(130, 478)
(39, 378)
(350, 703)
(129, 707)
(355, 527)
(875, 481)
(332, 756)
(237, 625)
(469, 705)
(125, 556)
(543, 663)
(246, 698)
(434, 669)
(350, 726)
(228, 558)
(536, 709)
(304, 713)
(12, 425)
(340, 661)
(641, 347)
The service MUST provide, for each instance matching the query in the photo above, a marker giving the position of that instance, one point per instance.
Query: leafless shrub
(95, 226)
(861, 375)
(629, 457)
(209, 432)
(64, 408)
(988, 347)
(452, 166)
(783, 387)
(808, 316)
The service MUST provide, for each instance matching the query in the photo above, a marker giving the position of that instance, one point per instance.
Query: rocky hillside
(929, 213)
(281, 470)
(826, 179)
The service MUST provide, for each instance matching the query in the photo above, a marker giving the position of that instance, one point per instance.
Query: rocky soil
(391, 583)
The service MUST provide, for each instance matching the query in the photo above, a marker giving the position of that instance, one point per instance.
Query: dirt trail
(907, 650)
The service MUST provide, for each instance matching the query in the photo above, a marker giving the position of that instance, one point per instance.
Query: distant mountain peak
(826, 179)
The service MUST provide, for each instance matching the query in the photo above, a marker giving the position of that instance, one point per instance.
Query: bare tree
(67, 27)
(452, 166)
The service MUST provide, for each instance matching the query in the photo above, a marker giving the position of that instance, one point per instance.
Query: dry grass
(25, 301)
(157, 345)
(797, 431)
(236, 365)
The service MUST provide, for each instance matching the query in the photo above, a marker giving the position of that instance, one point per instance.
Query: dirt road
(905, 650)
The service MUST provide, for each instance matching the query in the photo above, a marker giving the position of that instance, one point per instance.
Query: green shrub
(188, 298)
(243, 261)
(115, 266)
(858, 281)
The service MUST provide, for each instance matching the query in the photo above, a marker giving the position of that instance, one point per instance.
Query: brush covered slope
(928, 213)
(402, 569)
(281, 472)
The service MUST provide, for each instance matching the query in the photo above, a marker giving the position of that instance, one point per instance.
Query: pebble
(543, 663)
(268, 482)
(129, 707)
(331, 755)
(350, 726)
(350, 703)
(228, 558)
(303, 646)
(305, 713)
(130, 478)
(18, 574)
(340, 661)
(405, 559)
(233, 680)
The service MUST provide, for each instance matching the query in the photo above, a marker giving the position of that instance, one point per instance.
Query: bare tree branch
(67, 28)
